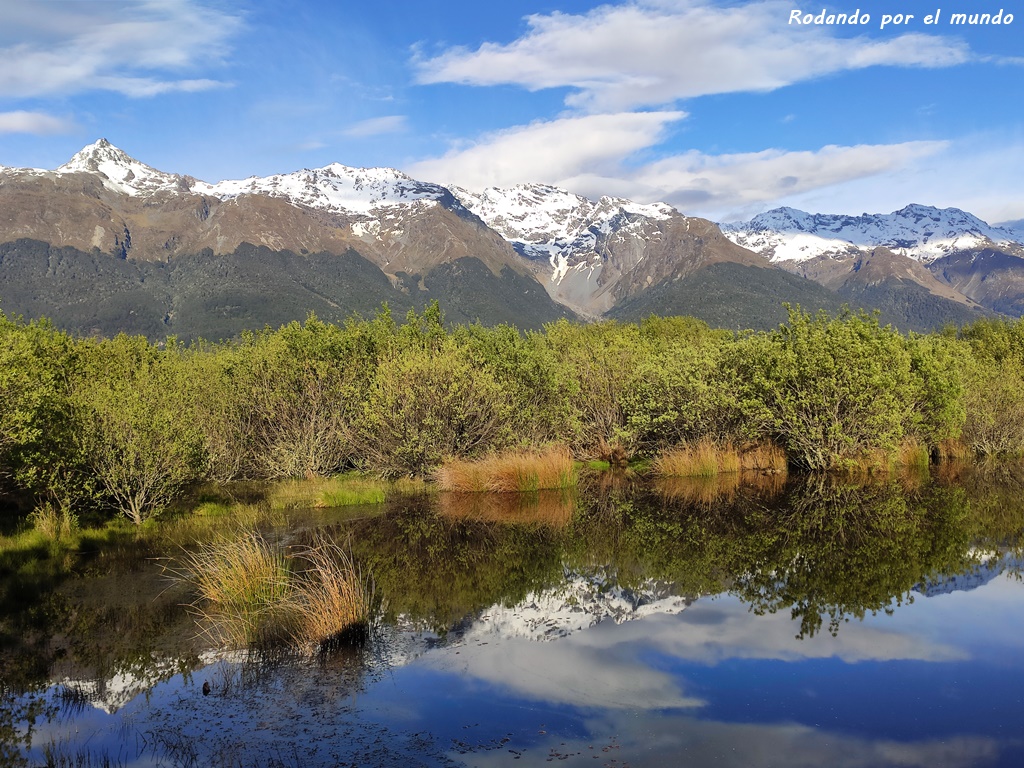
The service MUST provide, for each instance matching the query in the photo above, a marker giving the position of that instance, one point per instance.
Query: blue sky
(722, 108)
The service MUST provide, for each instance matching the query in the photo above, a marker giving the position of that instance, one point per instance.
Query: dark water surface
(806, 623)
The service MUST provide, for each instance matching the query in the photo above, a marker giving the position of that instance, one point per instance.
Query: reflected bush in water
(840, 550)
(438, 568)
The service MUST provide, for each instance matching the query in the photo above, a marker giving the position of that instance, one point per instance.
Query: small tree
(141, 440)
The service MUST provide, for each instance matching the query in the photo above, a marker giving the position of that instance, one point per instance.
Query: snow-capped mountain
(921, 232)
(991, 567)
(592, 254)
(549, 222)
(121, 173)
(339, 239)
(335, 188)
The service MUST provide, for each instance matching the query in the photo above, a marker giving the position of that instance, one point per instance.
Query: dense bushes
(122, 425)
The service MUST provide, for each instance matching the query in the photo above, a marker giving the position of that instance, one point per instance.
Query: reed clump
(252, 594)
(707, 458)
(704, 458)
(953, 450)
(332, 601)
(242, 587)
(516, 472)
(56, 522)
(913, 453)
(763, 457)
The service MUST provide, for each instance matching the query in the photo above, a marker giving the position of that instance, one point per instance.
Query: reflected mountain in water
(979, 575)
(113, 693)
(582, 601)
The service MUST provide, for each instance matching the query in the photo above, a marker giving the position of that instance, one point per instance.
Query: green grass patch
(341, 491)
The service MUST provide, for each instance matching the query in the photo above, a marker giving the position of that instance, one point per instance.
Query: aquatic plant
(253, 594)
(242, 587)
(331, 600)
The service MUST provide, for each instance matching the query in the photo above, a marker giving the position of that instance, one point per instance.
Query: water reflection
(725, 622)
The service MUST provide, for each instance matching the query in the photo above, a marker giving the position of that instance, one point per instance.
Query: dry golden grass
(912, 453)
(242, 584)
(706, 458)
(331, 599)
(250, 595)
(701, 459)
(763, 457)
(954, 450)
(549, 508)
(517, 472)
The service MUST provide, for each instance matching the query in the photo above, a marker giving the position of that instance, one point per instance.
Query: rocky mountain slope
(106, 243)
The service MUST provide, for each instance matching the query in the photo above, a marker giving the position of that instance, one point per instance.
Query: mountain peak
(922, 232)
(120, 171)
(91, 156)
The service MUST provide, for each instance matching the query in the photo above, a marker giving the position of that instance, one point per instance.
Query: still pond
(762, 622)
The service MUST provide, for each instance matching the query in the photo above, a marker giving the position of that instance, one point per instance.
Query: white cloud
(978, 173)
(133, 47)
(680, 740)
(715, 183)
(590, 155)
(33, 122)
(376, 126)
(619, 57)
(548, 151)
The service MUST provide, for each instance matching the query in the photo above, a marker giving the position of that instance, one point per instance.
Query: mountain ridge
(587, 258)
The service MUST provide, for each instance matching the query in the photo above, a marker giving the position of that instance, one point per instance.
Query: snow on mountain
(922, 232)
(120, 172)
(545, 222)
(335, 188)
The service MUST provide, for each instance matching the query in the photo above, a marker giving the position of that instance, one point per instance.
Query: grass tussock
(552, 509)
(56, 523)
(704, 458)
(251, 594)
(518, 472)
(242, 587)
(913, 453)
(332, 601)
(764, 457)
(953, 450)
